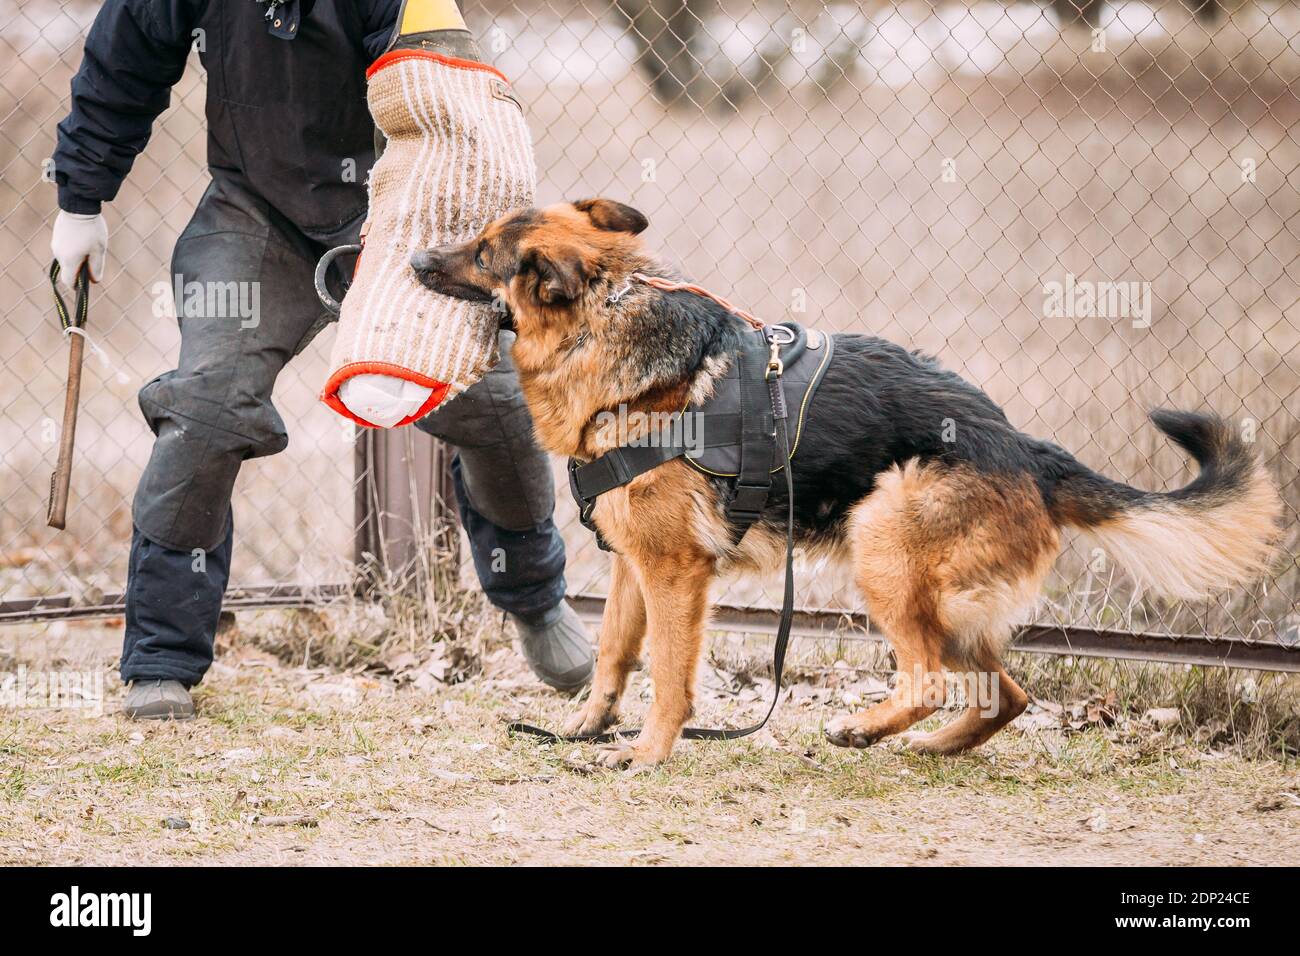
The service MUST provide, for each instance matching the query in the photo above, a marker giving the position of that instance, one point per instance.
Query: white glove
(382, 400)
(78, 238)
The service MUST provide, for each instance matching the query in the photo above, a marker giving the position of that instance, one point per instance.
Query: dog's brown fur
(946, 554)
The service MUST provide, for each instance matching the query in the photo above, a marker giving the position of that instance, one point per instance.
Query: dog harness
(744, 436)
(730, 435)
(775, 368)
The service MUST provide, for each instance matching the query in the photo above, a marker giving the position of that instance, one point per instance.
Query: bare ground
(313, 766)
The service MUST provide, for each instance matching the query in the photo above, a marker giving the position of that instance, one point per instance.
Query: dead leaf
(802, 691)
(1103, 710)
(291, 820)
(1036, 722)
(1163, 716)
(397, 664)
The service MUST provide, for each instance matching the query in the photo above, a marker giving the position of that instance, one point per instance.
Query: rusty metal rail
(831, 624)
(63, 607)
(817, 624)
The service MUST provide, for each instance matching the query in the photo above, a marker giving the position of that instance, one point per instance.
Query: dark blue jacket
(285, 108)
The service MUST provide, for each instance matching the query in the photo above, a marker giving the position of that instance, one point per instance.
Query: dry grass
(407, 612)
(390, 763)
(1256, 714)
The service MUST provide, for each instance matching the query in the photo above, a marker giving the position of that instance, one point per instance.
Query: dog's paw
(590, 720)
(627, 754)
(616, 756)
(849, 731)
(933, 743)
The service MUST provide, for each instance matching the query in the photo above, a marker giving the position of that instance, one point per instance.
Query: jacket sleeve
(135, 53)
(380, 18)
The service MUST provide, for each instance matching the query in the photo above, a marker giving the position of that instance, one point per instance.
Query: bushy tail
(1215, 533)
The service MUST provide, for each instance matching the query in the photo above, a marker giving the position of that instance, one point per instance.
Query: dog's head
(535, 263)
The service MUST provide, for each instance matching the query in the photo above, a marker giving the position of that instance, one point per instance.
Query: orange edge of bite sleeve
(393, 56)
(330, 394)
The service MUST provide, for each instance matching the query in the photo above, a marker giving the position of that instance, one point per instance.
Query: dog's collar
(667, 285)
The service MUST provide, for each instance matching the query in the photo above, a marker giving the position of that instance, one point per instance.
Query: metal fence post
(403, 502)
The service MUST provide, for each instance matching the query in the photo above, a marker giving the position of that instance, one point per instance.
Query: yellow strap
(421, 16)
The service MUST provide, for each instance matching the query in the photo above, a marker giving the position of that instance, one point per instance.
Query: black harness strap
(612, 470)
(589, 480)
(754, 482)
(755, 423)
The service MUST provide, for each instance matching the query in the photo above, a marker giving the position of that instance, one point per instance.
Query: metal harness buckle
(777, 335)
(774, 364)
(615, 296)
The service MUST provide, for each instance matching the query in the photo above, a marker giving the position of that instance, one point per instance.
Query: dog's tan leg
(894, 584)
(918, 693)
(946, 558)
(676, 594)
(622, 630)
(978, 722)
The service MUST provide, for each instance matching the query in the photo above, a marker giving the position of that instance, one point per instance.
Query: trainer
(287, 118)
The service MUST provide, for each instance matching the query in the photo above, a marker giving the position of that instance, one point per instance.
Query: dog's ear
(612, 216)
(561, 273)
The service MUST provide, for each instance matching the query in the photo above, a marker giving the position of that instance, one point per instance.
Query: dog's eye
(478, 259)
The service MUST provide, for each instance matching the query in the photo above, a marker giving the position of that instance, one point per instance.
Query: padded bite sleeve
(458, 156)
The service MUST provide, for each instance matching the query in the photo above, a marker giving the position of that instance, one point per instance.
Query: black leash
(780, 417)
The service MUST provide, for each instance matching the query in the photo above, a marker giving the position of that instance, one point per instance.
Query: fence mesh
(1089, 210)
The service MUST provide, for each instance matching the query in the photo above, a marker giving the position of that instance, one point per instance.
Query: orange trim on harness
(330, 394)
(392, 56)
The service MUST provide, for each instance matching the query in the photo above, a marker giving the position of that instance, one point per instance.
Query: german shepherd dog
(949, 517)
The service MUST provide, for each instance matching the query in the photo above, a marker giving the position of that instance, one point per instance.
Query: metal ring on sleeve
(322, 268)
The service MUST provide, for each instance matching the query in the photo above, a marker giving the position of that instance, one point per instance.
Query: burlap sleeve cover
(458, 156)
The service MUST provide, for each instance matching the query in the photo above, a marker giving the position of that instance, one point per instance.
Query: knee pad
(458, 156)
(233, 421)
(203, 436)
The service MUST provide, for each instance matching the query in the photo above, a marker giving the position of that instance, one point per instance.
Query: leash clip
(775, 367)
(777, 335)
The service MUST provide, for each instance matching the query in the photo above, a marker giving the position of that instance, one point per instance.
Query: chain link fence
(1089, 210)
